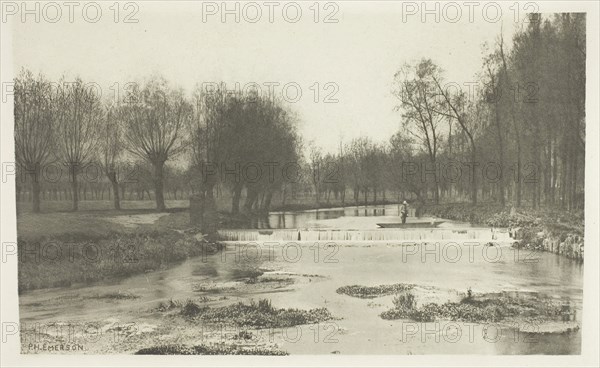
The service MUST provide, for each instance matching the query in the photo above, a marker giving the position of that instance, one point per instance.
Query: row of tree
(529, 114)
(515, 134)
(135, 182)
(68, 125)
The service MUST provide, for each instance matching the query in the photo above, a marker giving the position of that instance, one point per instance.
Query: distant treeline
(517, 137)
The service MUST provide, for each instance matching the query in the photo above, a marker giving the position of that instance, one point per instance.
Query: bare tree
(315, 165)
(456, 104)
(208, 123)
(79, 117)
(111, 149)
(154, 118)
(34, 124)
(492, 64)
(420, 105)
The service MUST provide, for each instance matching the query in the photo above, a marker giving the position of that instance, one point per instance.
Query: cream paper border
(10, 350)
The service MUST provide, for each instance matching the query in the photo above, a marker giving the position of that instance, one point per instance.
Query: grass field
(105, 206)
(222, 201)
(97, 243)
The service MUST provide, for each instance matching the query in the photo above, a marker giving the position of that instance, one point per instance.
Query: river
(443, 262)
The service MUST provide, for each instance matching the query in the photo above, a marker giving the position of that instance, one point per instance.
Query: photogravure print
(323, 178)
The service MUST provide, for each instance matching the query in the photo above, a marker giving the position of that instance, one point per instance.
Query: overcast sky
(359, 54)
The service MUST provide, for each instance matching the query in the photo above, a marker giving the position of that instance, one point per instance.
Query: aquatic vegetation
(261, 314)
(485, 308)
(244, 335)
(369, 292)
(171, 304)
(190, 309)
(274, 280)
(115, 296)
(212, 289)
(208, 350)
(405, 301)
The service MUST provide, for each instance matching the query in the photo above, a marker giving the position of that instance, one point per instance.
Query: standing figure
(404, 211)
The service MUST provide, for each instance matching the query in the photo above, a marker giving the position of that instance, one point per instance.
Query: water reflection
(299, 219)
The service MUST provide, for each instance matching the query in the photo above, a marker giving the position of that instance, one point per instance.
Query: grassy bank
(495, 215)
(104, 206)
(547, 229)
(59, 263)
(69, 248)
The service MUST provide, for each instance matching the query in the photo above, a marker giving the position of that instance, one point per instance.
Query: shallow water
(302, 219)
(442, 269)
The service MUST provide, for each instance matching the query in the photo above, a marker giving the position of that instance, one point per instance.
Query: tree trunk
(436, 188)
(159, 184)
(235, 201)
(474, 184)
(75, 191)
(251, 198)
(573, 196)
(554, 173)
(518, 178)
(35, 189)
(501, 147)
(112, 176)
(267, 201)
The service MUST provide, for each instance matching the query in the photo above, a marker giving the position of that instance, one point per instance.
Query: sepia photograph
(308, 183)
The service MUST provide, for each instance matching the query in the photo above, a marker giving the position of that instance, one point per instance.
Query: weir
(418, 234)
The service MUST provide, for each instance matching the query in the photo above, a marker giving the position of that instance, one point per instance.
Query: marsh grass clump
(169, 305)
(264, 305)
(191, 309)
(369, 292)
(469, 293)
(486, 308)
(259, 314)
(243, 335)
(116, 296)
(405, 301)
(207, 350)
(405, 306)
(268, 279)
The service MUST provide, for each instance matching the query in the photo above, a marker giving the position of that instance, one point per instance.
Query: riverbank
(550, 230)
(69, 249)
